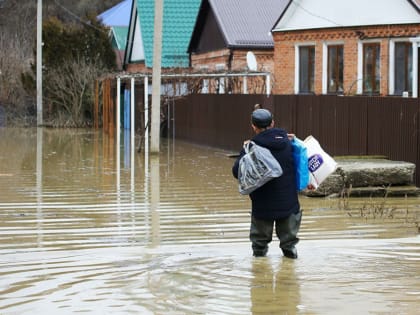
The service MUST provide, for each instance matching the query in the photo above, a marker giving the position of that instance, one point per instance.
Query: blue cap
(261, 118)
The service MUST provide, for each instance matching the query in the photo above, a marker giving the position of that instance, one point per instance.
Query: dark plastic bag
(256, 167)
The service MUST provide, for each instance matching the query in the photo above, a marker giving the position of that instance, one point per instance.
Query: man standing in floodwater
(276, 202)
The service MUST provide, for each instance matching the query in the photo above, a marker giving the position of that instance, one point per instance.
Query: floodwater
(87, 230)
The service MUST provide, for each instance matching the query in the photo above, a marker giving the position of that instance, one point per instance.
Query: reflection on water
(88, 228)
(274, 289)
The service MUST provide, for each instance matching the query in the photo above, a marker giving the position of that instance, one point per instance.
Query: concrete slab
(366, 176)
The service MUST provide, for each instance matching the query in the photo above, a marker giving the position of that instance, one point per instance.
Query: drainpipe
(229, 65)
(230, 60)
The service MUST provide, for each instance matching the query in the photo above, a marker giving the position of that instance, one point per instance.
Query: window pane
(335, 69)
(371, 68)
(303, 69)
(410, 70)
(311, 69)
(306, 69)
(332, 60)
(403, 68)
(377, 70)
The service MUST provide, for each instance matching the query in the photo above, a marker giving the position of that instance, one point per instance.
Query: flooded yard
(86, 230)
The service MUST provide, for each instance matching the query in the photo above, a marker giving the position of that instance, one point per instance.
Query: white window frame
(416, 45)
(297, 46)
(360, 63)
(325, 63)
(392, 41)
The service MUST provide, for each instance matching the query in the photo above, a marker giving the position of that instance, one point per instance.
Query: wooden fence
(387, 126)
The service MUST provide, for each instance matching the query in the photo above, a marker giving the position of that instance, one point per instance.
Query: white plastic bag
(320, 164)
(256, 167)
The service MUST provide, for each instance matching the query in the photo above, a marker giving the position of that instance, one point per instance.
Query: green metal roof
(119, 34)
(179, 18)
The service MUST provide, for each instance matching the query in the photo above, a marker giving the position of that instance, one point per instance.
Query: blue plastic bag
(300, 156)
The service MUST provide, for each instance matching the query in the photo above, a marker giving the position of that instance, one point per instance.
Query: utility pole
(39, 64)
(156, 78)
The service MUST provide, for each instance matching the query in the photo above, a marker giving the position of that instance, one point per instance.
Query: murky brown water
(82, 233)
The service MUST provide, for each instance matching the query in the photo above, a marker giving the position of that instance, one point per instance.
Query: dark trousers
(261, 233)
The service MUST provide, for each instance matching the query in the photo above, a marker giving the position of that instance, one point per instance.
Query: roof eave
(336, 27)
(281, 16)
(414, 4)
(251, 47)
(198, 26)
(130, 34)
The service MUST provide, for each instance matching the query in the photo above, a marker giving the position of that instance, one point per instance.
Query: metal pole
(268, 84)
(132, 149)
(132, 112)
(118, 123)
(415, 69)
(155, 199)
(39, 214)
(199, 75)
(156, 77)
(146, 115)
(132, 134)
(39, 65)
(118, 153)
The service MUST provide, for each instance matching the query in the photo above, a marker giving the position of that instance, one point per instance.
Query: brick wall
(284, 53)
(210, 60)
(137, 68)
(218, 61)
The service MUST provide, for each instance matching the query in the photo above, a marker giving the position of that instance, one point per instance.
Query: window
(403, 68)
(335, 69)
(371, 68)
(306, 69)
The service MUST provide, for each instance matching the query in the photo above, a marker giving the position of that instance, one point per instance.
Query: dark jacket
(278, 198)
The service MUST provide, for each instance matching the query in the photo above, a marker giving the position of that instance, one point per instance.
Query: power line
(315, 15)
(78, 17)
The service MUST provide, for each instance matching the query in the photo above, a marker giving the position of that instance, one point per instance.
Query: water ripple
(172, 238)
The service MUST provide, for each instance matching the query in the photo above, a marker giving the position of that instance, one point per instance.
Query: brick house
(226, 30)
(347, 47)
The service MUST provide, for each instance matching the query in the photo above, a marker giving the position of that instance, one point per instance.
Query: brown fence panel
(215, 120)
(343, 125)
(322, 117)
(180, 119)
(307, 116)
(284, 112)
(357, 125)
(325, 116)
(409, 118)
(392, 129)
(416, 118)
(378, 118)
